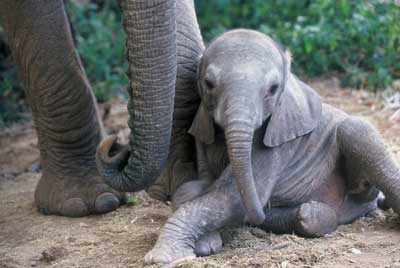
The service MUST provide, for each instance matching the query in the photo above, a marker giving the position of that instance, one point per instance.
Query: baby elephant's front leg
(189, 191)
(193, 220)
(210, 243)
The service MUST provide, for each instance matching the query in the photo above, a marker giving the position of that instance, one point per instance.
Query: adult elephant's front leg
(194, 219)
(63, 107)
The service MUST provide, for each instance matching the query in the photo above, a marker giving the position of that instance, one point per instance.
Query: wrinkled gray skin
(313, 166)
(137, 166)
(163, 47)
(339, 156)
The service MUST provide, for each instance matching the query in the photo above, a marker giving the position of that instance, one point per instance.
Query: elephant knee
(189, 191)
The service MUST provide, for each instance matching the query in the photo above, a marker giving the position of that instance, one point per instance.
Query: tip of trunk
(255, 217)
(111, 158)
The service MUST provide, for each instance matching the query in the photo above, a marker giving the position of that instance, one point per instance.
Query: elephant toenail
(74, 207)
(202, 249)
(106, 202)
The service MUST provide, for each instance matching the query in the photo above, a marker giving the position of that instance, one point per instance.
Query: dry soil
(122, 238)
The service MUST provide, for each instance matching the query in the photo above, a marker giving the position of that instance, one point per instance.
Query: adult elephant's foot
(75, 196)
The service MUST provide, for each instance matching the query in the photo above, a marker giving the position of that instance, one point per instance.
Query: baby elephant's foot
(164, 252)
(75, 196)
(168, 252)
(208, 244)
(315, 219)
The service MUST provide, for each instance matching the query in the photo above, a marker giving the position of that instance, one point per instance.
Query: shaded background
(356, 41)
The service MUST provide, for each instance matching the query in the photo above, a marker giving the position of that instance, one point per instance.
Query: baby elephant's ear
(298, 112)
(202, 126)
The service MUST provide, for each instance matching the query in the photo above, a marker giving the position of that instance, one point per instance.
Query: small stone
(355, 251)
(70, 239)
(285, 264)
(53, 253)
(361, 245)
(83, 225)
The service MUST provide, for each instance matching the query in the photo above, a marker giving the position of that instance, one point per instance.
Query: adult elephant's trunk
(239, 131)
(150, 27)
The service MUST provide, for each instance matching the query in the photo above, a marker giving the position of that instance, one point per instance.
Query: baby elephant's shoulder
(332, 116)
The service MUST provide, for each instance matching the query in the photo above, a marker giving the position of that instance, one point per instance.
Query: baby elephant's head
(242, 77)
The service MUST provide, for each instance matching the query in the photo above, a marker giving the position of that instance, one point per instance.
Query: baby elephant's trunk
(239, 130)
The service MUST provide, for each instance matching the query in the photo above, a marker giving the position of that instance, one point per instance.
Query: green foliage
(10, 100)
(11, 92)
(360, 39)
(100, 41)
(132, 200)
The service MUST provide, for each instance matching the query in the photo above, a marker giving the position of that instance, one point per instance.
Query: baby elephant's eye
(272, 90)
(209, 84)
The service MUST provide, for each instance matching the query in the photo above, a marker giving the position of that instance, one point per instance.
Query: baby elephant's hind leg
(313, 219)
(367, 160)
(353, 209)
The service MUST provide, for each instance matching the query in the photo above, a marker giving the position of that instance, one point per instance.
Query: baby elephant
(271, 154)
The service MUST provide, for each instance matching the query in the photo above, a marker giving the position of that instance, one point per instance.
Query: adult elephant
(163, 43)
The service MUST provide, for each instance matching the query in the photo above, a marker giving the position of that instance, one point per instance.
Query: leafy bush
(11, 104)
(100, 41)
(360, 39)
(11, 92)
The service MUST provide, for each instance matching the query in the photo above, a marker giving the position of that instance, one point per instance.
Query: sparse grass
(132, 200)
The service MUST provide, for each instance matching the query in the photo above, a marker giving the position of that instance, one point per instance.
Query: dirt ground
(122, 238)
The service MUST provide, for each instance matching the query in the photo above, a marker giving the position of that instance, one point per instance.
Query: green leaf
(132, 200)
